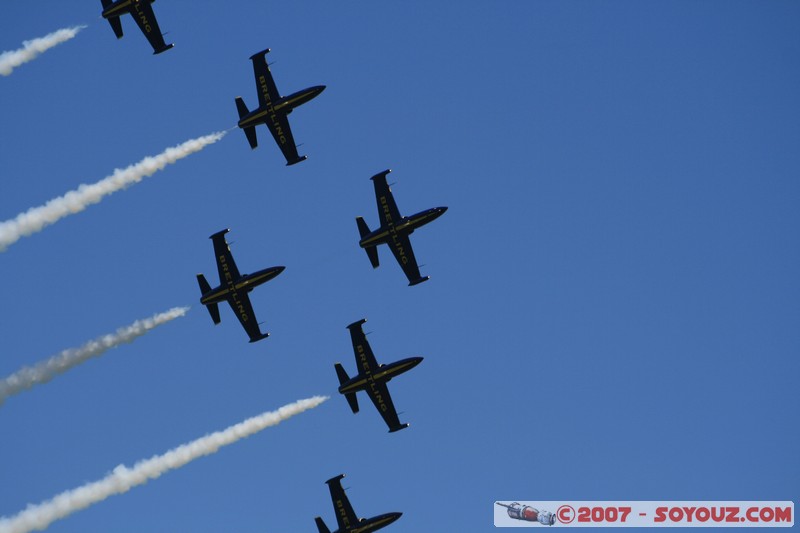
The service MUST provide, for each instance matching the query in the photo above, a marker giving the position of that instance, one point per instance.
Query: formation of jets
(234, 288)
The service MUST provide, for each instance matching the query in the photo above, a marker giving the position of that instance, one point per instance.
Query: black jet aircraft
(142, 13)
(394, 230)
(372, 377)
(273, 109)
(234, 288)
(346, 517)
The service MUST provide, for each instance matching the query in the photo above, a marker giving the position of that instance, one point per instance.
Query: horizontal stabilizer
(372, 251)
(344, 378)
(116, 25)
(213, 310)
(321, 525)
(250, 132)
(418, 281)
(205, 288)
(241, 107)
(398, 428)
(363, 229)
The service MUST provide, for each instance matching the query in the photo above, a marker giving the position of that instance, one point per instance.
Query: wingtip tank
(295, 161)
(162, 50)
(356, 323)
(261, 53)
(260, 337)
(219, 233)
(418, 281)
(384, 173)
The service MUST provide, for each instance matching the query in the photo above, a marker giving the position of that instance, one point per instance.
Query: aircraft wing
(400, 245)
(282, 133)
(387, 208)
(277, 123)
(142, 13)
(265, 85)
(379, 394)
(345, 515)
(243, 309)
(226, 266)
(361, 347)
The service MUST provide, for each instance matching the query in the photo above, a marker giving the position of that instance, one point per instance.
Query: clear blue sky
(614, 299)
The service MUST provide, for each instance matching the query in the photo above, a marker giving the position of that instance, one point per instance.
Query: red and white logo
(644, 514)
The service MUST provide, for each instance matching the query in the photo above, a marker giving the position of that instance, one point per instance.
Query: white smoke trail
(122, 478)
(30, 49)
(37, 218)
(44, 371)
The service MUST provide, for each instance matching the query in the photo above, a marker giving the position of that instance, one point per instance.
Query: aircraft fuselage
(375, 523)
(268, 113)
(367, 376)
(391, 230)
(121, 7)
(246, 283)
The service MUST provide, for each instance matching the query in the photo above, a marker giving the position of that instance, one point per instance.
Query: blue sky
(613, 305)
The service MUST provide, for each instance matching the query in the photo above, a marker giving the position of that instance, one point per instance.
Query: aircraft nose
(319, 88)
(436, 212)
(279, 269)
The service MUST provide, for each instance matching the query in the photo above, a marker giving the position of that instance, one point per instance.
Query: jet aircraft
(142, 13)
(346, 517)
(234, 288)
(273, 109)
(372, 377)
(394, 230)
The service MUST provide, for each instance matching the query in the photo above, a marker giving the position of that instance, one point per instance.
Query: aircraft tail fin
(213, 309)
(250, 132)
(344, 378)
(372, 251)
(321, 525)
(399, 427)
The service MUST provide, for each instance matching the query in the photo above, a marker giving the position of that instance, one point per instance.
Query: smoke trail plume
(30, 49)
(58, 364)
(37, 218)
(122, 478)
